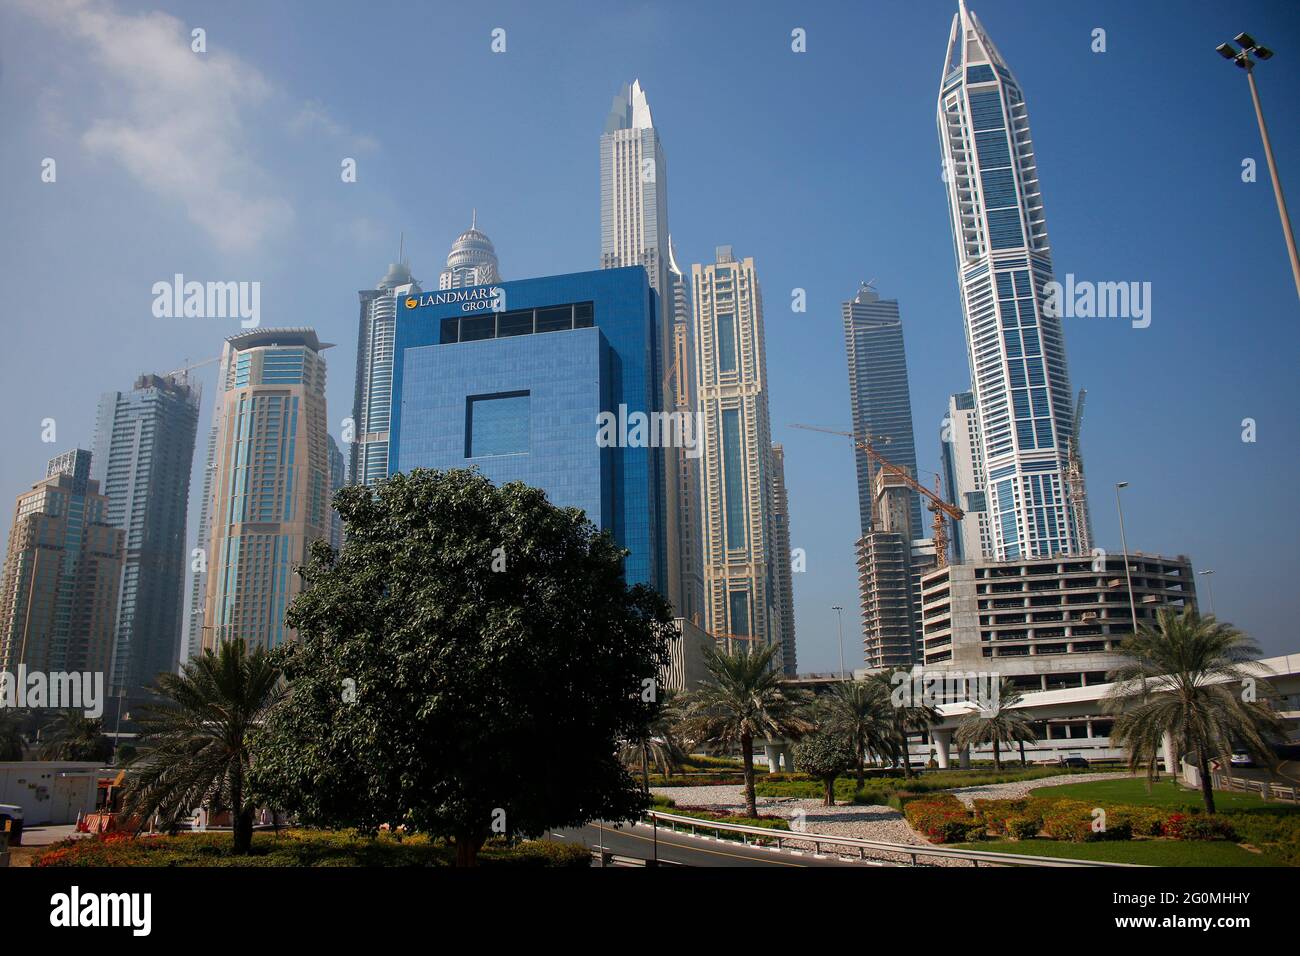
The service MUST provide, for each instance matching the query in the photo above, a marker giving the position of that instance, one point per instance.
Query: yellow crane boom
(936, 502)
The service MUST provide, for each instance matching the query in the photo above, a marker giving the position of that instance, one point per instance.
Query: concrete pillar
(772, 754)
(787, 758)
(942, 743)
(1167, 746)
(963, 759)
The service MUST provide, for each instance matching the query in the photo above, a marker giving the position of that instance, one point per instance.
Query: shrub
(1142, 821)
(1276, 833)
(941, 818)
(1073, 820)
(1183, 826)
(1022, 827)
(549, 853)
(994, 814)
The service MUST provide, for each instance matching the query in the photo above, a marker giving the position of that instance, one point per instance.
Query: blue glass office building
(512, 378)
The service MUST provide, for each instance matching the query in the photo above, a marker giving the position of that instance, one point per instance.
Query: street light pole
(1128, 575)
(839, 614)
(1243, 59)
(1209, 590)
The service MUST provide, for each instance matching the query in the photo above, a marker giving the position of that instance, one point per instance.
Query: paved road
(639, 841)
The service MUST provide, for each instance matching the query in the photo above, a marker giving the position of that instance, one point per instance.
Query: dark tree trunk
(747, 755)
(1207, 785)
(645, 767)
(243, 837)
(829, 784)
(907, 753)
(1023, 761)
(242, 821)
(997, 755)
(862, 773)
(467, 847)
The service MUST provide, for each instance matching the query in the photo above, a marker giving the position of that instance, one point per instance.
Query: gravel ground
(864, 822)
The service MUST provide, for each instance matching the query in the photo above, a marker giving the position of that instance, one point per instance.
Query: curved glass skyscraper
(1016, 351)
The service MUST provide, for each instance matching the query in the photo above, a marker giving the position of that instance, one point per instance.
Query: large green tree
(906, 714)
(74, 736)
(12, 745)
(195, 745)
(1195, 679)
(861, 711)
(659, 745)
(824, 755)
(742, 700)
(467, 664)
(1000, 725)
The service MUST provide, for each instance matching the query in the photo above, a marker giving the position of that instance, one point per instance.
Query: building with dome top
(472, 260)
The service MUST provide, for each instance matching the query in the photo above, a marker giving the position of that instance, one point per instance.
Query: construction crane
(934, 498)
(190, 366)
(1078, 494)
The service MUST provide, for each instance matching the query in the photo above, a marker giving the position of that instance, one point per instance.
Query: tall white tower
(1016, 350)
(372, 400)
(634, 231)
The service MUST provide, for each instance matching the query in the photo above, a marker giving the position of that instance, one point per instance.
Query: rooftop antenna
(401, 247)
(473, 220)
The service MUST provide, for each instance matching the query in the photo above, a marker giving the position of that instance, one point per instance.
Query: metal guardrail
(1266, 790)
(818, 840)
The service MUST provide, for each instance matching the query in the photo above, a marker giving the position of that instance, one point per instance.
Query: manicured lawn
(1165, 793)
(877, 790)
(1146, 852)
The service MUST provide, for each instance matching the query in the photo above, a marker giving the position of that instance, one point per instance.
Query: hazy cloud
(173, 118)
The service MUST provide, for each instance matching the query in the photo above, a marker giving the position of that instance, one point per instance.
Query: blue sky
(824, 166)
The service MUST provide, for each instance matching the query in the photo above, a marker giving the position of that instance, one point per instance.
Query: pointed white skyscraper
(634, 232)
(1016, 350)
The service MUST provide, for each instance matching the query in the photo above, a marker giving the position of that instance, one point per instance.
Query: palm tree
(74, 736)
(195, 748)
(997, 726)
(12, 744)
(743, 699)
(905, 716)
(659, 745)
(1184, 677)
(859, 711)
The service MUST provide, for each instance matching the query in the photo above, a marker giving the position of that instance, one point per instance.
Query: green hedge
(298, 848)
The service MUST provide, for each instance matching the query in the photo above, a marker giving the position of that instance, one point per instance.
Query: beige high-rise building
(61, 574)
(270, 496)
(743, 560)
(782, 561)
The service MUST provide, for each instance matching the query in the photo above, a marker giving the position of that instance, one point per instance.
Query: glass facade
(144, 446)
(497, 424)
(519, 393)
(879, 395)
